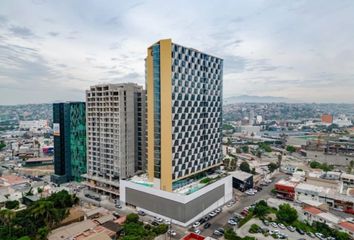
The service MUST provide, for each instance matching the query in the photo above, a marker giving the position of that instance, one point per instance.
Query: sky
(54, 50)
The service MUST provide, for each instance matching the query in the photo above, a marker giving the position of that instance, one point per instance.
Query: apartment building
(184, 103)
(115, 135)
(184, 136)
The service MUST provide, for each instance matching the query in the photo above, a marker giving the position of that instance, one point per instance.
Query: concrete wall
(182, 209)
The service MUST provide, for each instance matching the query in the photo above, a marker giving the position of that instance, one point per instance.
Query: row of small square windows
(186, 139)
(196, 64)
(196, 73)
(193, 53)
(191, 81)
(192, 165)
(199, 158)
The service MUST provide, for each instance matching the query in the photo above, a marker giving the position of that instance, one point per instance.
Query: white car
(274, 225)
(157, 219)
(196, 224)
(218, 210)
(281, 225)
(212, 214)
(197, 231)
(171, 232)
(167, 221)
(232, 222)
(251, 193)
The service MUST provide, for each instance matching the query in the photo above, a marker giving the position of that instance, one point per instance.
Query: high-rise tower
(115, 134)
(69, 123)
(184, 112)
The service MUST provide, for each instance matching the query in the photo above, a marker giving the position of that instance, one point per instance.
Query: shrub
(254, 228)
(12, 204)
(132, 218)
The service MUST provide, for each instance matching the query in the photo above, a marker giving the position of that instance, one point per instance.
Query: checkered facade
(196, 111)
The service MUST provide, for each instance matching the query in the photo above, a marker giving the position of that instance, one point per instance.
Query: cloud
(21, 32)
(289, 48)
(53, 34)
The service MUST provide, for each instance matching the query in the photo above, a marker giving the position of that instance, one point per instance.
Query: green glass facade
(69, 123)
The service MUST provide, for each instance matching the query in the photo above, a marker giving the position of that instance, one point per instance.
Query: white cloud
(295, 49)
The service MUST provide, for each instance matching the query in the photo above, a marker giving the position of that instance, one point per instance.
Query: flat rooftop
(183, 186)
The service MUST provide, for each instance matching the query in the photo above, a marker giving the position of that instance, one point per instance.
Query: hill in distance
(257, 99)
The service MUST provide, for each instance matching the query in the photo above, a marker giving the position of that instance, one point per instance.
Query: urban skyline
(267, 47)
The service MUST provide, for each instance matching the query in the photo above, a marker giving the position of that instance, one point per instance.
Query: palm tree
(6, 216)
(45, 210)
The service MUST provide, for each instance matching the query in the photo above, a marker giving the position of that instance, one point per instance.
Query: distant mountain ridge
(256, 99)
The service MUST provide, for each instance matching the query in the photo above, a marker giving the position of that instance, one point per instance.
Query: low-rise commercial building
(285, 189)
(183, 206)
(241, 180)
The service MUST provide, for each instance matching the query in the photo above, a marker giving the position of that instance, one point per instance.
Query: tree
(226, 163)
(244, 166)
(230, 234)
(245, 149)
(42, 233)
(160, 229)
(272, 167)
(265, 147)
(261, 209)
(12, 204)
(132, 218)
(44, 209)
(254, 228)
(290, 148)
(6, 217)
(350, 167)
(286, 213)
(233, 164)
(2, 145)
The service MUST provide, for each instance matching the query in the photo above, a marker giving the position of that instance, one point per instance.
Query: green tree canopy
(244, 166)
(290, 148)
(261, 209)
(12, 204)
(132, 218)
(272, 167)
(286, 213)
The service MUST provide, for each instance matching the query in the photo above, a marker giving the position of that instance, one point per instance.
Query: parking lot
(243, 231)
(221, 219)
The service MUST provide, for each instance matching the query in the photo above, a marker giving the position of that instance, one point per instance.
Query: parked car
(291, 228)
(141, 213)
(196, 224)
(310, 234)
(154, 223)
(158, 219)
(232, 222)
(212, 214)
(300, 231)
(207, 225)
(202, 220)
(319, 235)
(197, 231)
(281, 225)
(274, 225)
(265, 222)
(171, 233)
(217, 233)
(218, 210)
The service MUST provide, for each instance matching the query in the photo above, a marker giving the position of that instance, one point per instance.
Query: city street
(221, 219)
